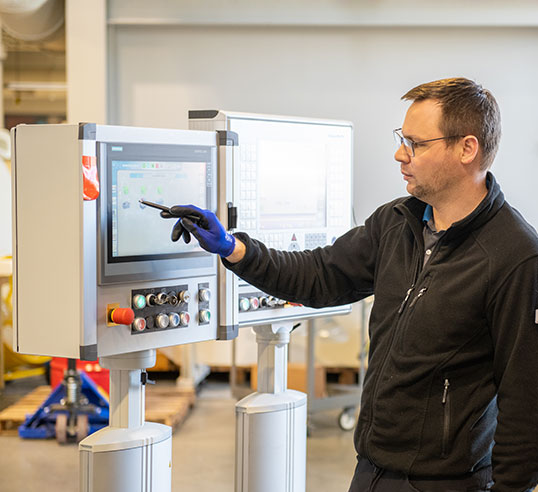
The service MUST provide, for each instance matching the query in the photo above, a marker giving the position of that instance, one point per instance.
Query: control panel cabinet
(95, 271)
(290, 180)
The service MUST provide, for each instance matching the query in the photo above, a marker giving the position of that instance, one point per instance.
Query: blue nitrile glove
(204, 226)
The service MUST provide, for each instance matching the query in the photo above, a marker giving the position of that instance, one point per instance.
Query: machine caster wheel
(61, 428)
(83, 426)
(346, 419)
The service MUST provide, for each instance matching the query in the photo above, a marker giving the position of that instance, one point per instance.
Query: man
(450, 400)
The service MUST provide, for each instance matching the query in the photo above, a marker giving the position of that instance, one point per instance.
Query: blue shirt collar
(428, 214)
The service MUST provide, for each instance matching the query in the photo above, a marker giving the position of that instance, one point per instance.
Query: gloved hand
(204, 226)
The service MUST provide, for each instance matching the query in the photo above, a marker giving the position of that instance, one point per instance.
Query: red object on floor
(98, 374)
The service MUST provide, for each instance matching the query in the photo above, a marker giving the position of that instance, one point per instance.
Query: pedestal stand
(271, 423)
(130, 455)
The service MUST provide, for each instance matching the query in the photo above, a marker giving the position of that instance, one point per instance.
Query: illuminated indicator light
(244, 304)
(139, 324)
(184, 318)
(205, 316)
(174, 319)
(139, 301)
(204, 295)
(162, 320)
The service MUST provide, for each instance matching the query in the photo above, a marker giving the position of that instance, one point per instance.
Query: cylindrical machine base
(271, 442)
(127, 460)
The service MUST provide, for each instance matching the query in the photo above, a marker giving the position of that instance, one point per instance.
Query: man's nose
(401, 155)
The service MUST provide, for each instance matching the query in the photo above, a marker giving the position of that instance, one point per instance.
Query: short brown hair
(467, 109)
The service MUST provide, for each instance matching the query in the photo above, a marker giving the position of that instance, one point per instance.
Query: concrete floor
(202, 450)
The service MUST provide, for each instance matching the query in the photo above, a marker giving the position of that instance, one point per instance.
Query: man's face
(433, 171)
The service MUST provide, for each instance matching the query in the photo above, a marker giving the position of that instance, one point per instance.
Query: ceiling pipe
(32, 20)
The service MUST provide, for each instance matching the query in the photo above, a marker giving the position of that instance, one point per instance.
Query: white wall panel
(158, 73)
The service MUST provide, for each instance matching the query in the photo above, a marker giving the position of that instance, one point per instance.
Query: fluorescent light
(37, 86)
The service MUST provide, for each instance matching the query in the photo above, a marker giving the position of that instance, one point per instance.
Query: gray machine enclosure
(64, 281)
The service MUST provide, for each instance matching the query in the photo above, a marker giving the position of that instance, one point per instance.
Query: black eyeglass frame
(408, 143)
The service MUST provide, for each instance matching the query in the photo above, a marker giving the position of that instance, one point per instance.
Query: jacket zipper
(416, 275)
(446, 418)
(418, 296)
(404, 302)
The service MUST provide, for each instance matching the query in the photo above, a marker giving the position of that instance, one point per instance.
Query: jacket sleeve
(513, 318)
(329, 276)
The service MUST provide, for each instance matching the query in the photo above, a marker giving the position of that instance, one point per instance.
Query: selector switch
(271, 301)
(150, 299)
(184, 296)
(204, 295)
(174, 320)
(172, 299)
(162, 321)
(162, 298)
(204, 316)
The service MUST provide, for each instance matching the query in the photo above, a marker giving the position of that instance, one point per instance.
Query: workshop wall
(353, 73)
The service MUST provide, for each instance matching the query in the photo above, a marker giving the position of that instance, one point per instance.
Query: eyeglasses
(410, 146)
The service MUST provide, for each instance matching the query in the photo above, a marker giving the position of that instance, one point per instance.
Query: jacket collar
(413, 210)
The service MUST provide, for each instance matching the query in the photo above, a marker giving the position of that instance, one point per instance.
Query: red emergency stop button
(122, 316)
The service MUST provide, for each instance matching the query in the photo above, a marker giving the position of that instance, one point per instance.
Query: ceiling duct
(32, 20)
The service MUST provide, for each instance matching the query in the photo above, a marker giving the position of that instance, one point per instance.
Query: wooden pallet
(168, 405)
(164, 405)
(14, 415)
(346, 375)
(242, 373)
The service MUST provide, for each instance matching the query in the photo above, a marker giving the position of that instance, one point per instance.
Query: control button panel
(158, 309)
(254, 301)
(204, 296)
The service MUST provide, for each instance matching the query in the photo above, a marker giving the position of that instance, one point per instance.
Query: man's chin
(416, 191)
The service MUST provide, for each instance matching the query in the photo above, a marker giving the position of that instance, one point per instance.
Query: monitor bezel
(115, 269)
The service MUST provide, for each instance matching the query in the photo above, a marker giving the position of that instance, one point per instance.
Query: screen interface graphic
(298, 201)
(295, 176)
(138, 230)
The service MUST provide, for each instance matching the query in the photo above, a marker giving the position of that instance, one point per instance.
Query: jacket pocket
(445, 400)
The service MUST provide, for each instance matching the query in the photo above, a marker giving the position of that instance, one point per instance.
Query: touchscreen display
(138, 230)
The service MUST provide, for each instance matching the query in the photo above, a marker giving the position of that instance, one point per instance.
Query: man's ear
(469, 149)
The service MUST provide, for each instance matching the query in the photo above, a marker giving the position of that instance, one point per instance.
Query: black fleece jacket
(452, 382)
